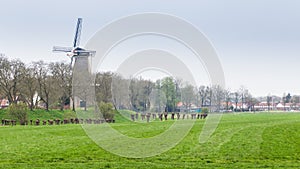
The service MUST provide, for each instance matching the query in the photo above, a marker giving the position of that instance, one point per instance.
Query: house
(238, 106)
(4, 103)
(183, 107)
(264, 106)
(288, 106)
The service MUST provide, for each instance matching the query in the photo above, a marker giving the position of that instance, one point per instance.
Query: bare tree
(242, 92)
(103, 88)
(203, 92)
(62, 76)
(217, 96)
(146, 91)
(245, 96)
(120, 92)
(29, 88)
(47, 90)
(228, 97)
(134, 90)
(209, 97)
(252, 102)
(187, 96)
(236, 99)
(11, 74)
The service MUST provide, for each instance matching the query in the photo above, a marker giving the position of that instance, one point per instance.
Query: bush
(19, 112)
(205, 110)
(107, 110)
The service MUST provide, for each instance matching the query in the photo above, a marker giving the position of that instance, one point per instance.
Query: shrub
(205, 110)
(107, 110)
(19, 112)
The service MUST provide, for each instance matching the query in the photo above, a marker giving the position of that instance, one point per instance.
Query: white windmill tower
(81, 69)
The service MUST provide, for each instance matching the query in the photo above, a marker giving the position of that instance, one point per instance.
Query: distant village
(269, 103)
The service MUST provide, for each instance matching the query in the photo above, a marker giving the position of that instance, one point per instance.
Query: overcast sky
(258, 41)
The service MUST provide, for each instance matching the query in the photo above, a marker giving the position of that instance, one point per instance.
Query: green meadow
(245, 140)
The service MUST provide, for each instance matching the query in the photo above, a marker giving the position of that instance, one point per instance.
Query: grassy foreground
(262, 140)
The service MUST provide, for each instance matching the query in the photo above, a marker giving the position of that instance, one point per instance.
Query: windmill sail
(61, 49)
(77, 33)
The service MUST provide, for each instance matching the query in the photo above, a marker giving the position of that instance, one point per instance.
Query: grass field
(42, 114)
(261, 140)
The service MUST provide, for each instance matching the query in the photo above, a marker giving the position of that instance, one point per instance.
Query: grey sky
(257, 40)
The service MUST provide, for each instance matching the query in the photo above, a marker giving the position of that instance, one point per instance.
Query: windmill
(81, 70)
(75, 51)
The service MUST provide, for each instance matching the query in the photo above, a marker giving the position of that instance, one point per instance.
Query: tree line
(51, 84)
(165, 94)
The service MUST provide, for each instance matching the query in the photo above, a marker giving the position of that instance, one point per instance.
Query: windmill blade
(85, 52)
(77, 33)
(91, 52)
(61, 49)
